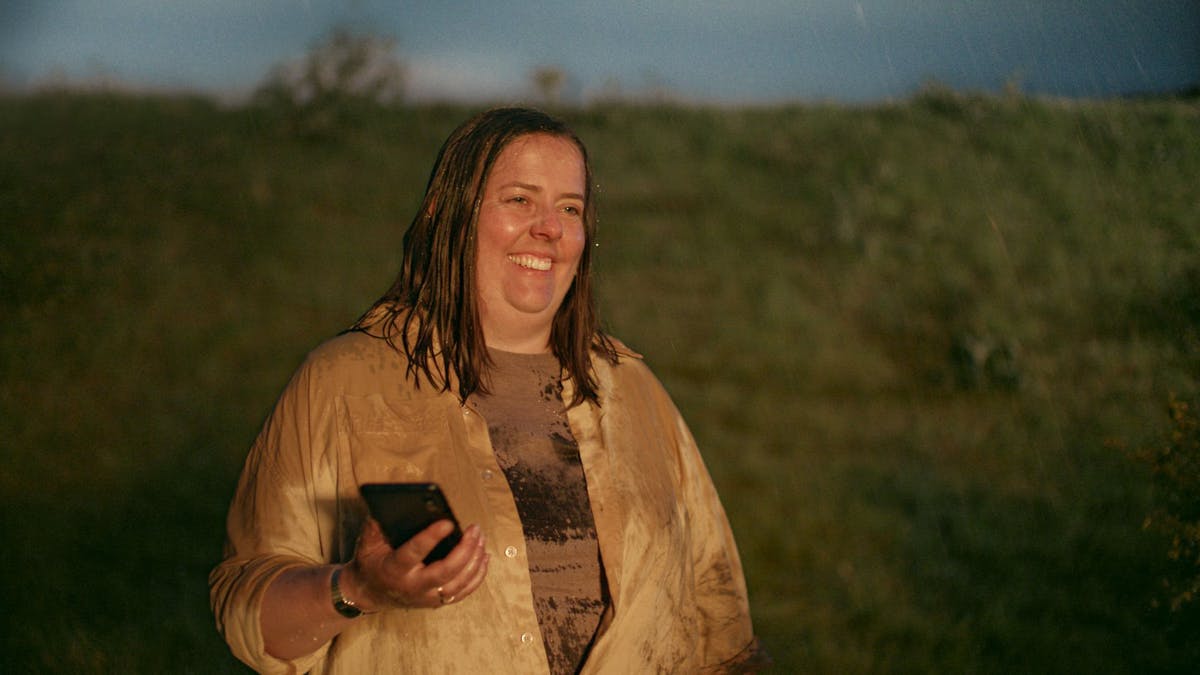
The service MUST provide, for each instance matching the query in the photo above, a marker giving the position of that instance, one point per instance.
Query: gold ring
(446, 599)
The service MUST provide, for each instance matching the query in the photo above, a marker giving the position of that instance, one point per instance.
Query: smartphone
(404, 509)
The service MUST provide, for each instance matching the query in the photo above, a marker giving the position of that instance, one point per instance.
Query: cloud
(466, 76)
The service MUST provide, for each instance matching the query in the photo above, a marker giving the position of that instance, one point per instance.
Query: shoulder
(353, 360)
(628, 377)
(612, 357)
(351, 348)
(624, 352)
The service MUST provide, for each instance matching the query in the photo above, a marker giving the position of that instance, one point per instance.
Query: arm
(728, 641)
(271, 594)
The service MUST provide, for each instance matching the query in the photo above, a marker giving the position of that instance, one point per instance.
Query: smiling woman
(596, 542)
(531, 236)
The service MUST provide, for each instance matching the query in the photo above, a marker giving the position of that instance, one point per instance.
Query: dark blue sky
(702, 50)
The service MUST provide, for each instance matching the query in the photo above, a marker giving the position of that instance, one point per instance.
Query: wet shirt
(534, 446)
(352, 414)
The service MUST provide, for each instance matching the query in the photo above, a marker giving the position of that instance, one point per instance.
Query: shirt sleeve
(727, 641)
(275, 521)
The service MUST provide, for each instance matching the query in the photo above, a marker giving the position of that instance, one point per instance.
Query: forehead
(540, 153)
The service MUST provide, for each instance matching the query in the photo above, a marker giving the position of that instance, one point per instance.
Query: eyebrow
(535, 188)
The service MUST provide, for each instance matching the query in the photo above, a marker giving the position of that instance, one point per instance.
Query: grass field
(917, 343)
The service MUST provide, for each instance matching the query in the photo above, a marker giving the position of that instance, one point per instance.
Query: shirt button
(511, 551)
(526, 638)
(487, 474)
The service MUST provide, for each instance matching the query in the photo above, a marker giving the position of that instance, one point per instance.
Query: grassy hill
(917, 343)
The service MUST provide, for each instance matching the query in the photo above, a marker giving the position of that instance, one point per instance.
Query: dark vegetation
(923, 347)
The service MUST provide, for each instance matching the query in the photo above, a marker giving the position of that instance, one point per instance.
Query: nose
(547, 226)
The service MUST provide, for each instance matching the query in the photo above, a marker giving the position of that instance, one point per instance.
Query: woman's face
(530, 238)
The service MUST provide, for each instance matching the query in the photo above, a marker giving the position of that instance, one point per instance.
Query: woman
(596, 542)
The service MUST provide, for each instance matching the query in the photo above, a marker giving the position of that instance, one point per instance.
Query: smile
(531, 262)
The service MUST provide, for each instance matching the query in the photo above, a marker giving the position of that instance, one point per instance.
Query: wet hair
(431, 311)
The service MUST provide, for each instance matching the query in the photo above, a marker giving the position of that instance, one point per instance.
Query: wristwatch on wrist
(343, 606)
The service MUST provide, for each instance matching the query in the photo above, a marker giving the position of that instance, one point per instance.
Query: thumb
(423, 542)
(372, 536)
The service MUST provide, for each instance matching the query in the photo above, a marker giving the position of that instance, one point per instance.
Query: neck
(517, 342)
(519, 335)
(536, 345)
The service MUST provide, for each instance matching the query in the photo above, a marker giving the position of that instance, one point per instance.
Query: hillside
(917, 343)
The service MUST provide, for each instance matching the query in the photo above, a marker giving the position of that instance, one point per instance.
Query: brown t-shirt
(528, 427)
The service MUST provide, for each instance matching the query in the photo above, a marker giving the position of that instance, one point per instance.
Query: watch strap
(345, 607)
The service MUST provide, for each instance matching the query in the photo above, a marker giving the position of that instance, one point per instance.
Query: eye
(518, 199)
(573, 210)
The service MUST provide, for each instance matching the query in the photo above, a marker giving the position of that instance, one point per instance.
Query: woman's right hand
(381, 577)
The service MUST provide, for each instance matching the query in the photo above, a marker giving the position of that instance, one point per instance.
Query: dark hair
(432, 306)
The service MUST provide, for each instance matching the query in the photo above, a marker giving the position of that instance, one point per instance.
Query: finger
(442, 571)
(477, 577)
(444, 597)
(468, 579)
(422, 543)
(459, 575)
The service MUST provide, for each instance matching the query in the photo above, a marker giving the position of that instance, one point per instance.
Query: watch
(343, 606)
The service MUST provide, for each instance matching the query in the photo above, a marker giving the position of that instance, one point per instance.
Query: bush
(1176, 514)
(346, 73)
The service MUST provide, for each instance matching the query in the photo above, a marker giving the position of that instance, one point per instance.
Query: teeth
(532, 262)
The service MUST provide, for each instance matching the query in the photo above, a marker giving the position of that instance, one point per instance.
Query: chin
(537, 309)
(535, 304)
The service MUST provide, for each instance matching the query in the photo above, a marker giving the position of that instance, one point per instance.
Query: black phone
(404, 509)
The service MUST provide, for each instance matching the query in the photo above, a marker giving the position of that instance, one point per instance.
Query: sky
(709, 51)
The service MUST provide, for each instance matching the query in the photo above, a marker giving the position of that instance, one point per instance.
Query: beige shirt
(351, 416)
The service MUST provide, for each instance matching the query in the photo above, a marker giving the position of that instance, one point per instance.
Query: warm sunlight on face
(530, 238)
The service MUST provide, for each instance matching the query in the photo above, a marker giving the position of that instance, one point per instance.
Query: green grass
(797, 276)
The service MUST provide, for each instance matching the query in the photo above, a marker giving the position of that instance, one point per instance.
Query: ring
(446, 599)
